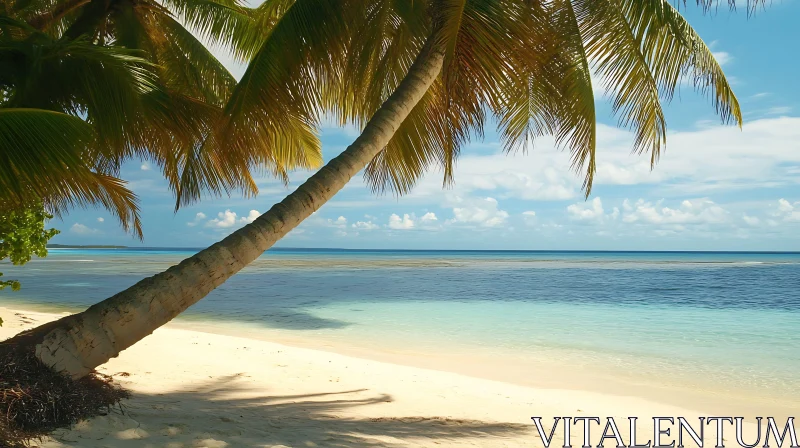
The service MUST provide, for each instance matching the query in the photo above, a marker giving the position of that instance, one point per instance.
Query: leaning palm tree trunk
(76, 344)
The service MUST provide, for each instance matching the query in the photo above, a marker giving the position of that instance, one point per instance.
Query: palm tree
(85, 85)
(421, 78)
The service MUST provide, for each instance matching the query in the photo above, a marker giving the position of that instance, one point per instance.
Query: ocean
(724, 324)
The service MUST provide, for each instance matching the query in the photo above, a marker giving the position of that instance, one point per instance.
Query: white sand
(195, 389)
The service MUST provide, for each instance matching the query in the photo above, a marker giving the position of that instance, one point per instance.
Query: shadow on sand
(225, 413)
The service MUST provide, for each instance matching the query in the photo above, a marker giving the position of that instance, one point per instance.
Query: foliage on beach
(23, 235)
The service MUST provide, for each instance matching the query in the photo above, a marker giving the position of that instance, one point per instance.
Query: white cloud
(529, 217)
(722, 57)
(788, 211)
(145, 167)
(587, 211)
(340, 222)
(100, 219)
(482, 212)
(252, 216)
(668, 220)
(544, 174)
(365, 225)
(778, 110)
(750, 220)
(760, 155)
(428, 221)
(226, 219)
(223, 220)
(765, 153)
(81, 229)
(429, 217)
(626, 174)
(197, 218)
(695, 211)
(398, 223)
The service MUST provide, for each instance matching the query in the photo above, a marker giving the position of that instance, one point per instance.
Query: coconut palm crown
(525, 65)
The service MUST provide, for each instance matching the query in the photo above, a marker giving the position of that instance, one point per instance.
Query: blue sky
(715, 188)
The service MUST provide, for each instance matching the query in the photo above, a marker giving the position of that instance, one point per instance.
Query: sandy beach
(198, 389)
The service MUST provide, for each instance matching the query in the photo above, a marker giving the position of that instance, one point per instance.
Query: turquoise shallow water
(729, 319)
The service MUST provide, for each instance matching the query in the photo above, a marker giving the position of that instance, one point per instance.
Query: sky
(715, 188)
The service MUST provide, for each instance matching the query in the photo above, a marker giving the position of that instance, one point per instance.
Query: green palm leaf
(230, 23)
(674, 50)
(418, 145)
(187, 65)
(616, 52)
(44, 157)
(279, 103)
(104, 84)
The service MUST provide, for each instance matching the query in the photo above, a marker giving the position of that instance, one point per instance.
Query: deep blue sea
(730, 319)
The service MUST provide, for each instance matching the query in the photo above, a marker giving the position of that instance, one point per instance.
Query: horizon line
(118, 247)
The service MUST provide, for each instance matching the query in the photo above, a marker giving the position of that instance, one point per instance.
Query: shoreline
(195, 388)
(534, 372)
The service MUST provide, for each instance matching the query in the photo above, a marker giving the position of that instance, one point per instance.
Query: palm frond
(617, 56)
(52, 14)
(278, 98)
(448, 16)
(303, 39)
(477, 36)
(104, 84)
(177, 135)
(418, 145)
(527, 91)
(37, 144)
(230, 23)
(46, 156)
(674, 50)
(188, 66)
(389, 35)
(575, 114)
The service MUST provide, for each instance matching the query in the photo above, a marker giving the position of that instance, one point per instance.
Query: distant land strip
(89, 246)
